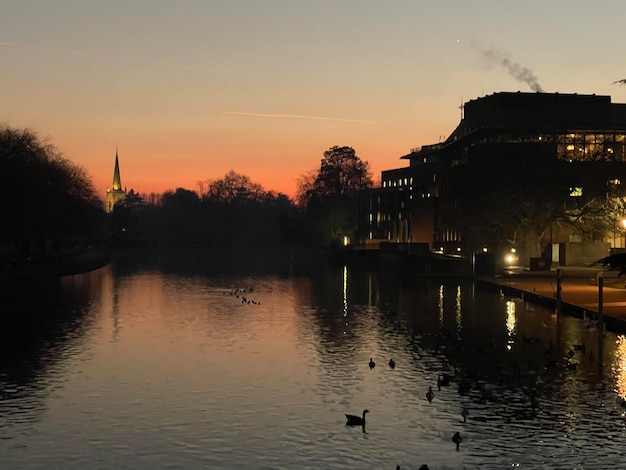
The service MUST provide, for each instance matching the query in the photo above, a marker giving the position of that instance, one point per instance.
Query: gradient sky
(190, 89)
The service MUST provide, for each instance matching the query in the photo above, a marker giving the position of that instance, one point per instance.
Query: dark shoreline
(56, 267)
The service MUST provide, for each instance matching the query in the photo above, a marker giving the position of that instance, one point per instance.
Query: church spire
(117, 181)
(116, 193)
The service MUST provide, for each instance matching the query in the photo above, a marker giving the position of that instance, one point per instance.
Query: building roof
(536, 112)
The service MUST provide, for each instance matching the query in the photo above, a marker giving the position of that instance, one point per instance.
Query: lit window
(576, 192)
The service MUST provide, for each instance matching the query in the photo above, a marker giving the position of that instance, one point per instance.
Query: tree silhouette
(43, 196)
(329, 195)
(341, 173)
(232, 186)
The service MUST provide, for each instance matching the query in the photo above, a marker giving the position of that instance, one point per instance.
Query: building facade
(423, 203)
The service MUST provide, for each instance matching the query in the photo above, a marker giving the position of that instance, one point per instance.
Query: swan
(353, 420)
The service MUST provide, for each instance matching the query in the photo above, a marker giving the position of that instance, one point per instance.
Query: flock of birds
(464, 385)
(239, 292)
(442, 380)
(469, 386)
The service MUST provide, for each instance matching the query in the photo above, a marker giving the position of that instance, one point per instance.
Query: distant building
(115, 194)
(418, 204)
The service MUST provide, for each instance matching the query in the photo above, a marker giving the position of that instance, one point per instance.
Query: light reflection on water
(146, 369)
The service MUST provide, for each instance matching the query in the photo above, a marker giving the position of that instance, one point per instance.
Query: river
(149, 365)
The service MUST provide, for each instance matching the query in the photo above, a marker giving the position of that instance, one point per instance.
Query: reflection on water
(145, 366)
(619, 368)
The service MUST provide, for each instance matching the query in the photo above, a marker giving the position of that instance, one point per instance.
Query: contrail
(517, 71)
(297, 116)
(89, 54)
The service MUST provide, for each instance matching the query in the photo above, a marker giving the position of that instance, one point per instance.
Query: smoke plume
(517, 71)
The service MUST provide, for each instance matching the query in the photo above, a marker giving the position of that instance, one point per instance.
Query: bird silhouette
(392, 363)
(353, 420)
(372, 364)
(457, 439)
(430, 395)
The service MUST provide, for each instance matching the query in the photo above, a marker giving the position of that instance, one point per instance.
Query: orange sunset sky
(191, 89)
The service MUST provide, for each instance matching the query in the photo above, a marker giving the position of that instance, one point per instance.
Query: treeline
(233, 211)
(48, 206)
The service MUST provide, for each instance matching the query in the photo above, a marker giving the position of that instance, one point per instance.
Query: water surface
(150, 366)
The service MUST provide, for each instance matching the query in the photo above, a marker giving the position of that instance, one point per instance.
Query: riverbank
(580, 291)
(55, 267)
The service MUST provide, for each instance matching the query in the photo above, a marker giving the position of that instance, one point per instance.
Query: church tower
(116, 193)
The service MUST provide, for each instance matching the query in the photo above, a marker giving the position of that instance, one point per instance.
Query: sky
(188, 90)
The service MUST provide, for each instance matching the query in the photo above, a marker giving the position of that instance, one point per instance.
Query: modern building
(115, 194)
(420, 203)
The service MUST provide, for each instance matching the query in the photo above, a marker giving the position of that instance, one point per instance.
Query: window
(576, 192)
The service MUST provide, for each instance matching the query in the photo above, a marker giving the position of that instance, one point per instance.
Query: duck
(372, 364)
(430, 395)
(353, 420)
(392, 363)
(457, 439)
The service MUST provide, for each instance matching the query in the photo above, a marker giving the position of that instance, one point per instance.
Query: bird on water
(353, 420)
(430, 394)
(457, 439)
(372, 364)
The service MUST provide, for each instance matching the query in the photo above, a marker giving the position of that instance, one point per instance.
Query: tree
(341, 173)
(329, 195)
(43, 196)
(232, 186)
(245, 214)
(181, 217)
